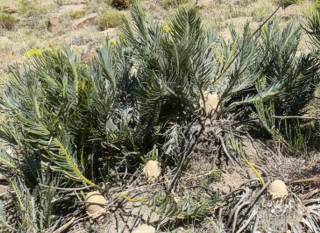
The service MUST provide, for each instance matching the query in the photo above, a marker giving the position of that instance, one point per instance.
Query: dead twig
(66, 226)
(224, 147)
(244, 226)
(234, 224)
(296, 117)
(315, 179)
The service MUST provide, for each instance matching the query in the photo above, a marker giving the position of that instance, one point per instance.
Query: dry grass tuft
(7, 22)
(31, 7)
(110, 19)
(77, 14)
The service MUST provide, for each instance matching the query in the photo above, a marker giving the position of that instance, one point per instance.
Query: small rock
(9, 9)
(55, 23)
(95, 204)
(109, 33)
(144, 229)
(85, 21)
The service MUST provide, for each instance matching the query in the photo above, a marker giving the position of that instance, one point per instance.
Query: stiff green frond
(313, 28)
(26, 207)
(186, 208)
(4, 225)
(7, 162)
(275, 71)
(67, 164)
(105, 59)
(239, 82)
(265, 113)
(33, 208)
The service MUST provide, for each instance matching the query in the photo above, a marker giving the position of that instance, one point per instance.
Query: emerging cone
(144, 229)
(278, 189)
(152, 169)
(95, 204)
(210, 104)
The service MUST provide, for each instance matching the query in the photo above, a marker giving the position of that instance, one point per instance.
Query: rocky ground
(77, 23)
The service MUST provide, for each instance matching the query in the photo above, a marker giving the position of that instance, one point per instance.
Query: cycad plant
(48, 118)
(277, 81)
(88, 124)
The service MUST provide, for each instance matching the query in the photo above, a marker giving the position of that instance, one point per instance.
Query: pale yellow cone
(152, 169)
(95, 204)
(210, 103)
(278, 189)
(144, 229)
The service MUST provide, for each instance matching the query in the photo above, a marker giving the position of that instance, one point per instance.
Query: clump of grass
(110, 19)
(7, 21)
(77, 14)
(31, 7)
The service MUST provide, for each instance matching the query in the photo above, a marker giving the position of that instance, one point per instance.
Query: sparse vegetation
(31, 7)
(173, 3)
(7, 22)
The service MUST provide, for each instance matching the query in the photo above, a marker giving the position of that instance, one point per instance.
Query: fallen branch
(315, 179)
(296, 117)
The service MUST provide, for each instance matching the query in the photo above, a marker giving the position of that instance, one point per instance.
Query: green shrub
(110, 19)
(7, 21)
(77, 14)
